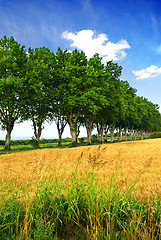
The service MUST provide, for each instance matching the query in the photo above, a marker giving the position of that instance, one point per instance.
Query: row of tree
(68, 88)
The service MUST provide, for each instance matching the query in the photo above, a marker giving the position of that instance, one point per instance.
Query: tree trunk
(89, 132)
(106, 136)
(37, 130)
(135, 134)
(60, 138)
(142, 135)
(72, 121)
(73, 131)
(111, 133)
(74, 135)
(102, 135)
(106, 132)
(8, 138)
(77, 132)
(8, 135)
(102, 131)
(112, 128)
(89, 127)
(60, 123)
(138, 135)
(148, 134)
(119, 134)
(122, 136)
(130, 133)
(125, 133)
(98, 131)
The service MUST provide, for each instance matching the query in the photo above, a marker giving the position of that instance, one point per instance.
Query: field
(133, 167)
(130, 158)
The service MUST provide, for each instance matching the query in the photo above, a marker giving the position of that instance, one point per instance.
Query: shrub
(2, 142)
(155, 135)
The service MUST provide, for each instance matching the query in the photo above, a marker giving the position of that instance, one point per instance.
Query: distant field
(129, 158)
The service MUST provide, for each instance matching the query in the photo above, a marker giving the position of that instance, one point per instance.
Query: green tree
(13, 59)
(149, 117)
(58, 85)
(39, 94)
(131, 116)
(70, 88)
(95, 92)
(127, 96)
(108, 115)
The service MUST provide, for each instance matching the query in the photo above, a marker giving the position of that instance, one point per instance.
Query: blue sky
(127, 31)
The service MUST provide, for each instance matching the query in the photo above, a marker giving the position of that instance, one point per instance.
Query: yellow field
(130, 158)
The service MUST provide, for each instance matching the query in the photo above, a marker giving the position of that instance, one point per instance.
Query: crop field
(134, 161)
(90, 192)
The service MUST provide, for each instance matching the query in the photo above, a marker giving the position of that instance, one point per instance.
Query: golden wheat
(130, 159)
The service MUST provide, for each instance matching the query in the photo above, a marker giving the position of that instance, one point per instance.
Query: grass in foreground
(76, 207)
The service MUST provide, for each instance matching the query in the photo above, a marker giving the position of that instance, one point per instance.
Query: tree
(127, 96)
(39, 94)
(95, 92)
(109, 114)
(149, 117)
(13, 59)
(131, 115)
(57, 85)
(70, 87)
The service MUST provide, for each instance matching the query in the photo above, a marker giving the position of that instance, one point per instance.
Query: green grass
(81, 208)
(23, 145)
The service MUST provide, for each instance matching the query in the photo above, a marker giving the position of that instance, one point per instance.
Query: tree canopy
(66, 87)
(13, 59)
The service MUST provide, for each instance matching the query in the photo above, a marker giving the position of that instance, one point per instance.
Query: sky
(125, 31)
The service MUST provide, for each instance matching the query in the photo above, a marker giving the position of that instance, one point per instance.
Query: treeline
(68, 88)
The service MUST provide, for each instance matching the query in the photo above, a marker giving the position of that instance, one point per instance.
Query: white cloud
(90, 43)
(152, 71)
(160, 108)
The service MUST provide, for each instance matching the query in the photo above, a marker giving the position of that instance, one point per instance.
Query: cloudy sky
(126, 31)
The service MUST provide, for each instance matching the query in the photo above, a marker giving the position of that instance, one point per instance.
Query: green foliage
(42, 141)
(66, 87)
(13, 60)
(34, 143)
(81, 140)
(155, 135)
(2, 142)
(94, 138)
(22, 145)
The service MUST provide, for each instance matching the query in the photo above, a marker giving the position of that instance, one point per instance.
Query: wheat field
(138, 161)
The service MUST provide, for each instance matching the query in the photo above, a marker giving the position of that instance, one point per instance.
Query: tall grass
(77, 207)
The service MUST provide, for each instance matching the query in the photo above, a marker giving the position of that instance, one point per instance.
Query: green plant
(81, 208)
(33, 142)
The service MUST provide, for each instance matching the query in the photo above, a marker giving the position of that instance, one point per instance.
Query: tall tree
(70, 88)
(39, 94)
(13, 59)
(127, 95)
(58, 86)
(108, 115)
(95, 92)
